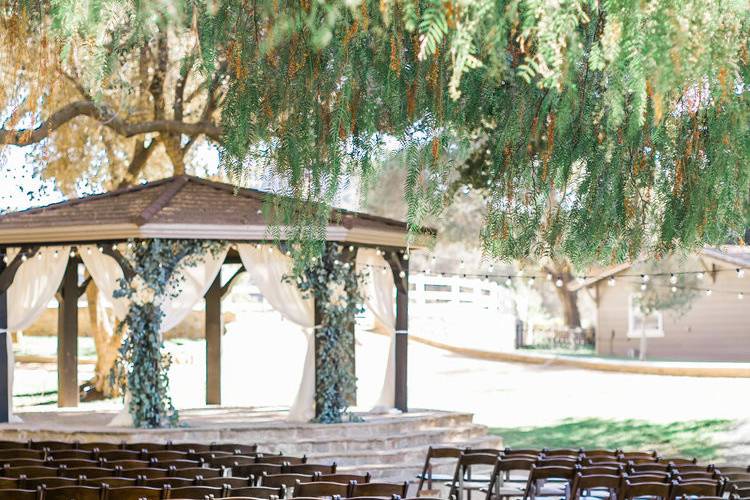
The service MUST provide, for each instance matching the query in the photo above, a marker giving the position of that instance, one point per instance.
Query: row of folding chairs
(108, 471)
(238, 448)
(105, 492)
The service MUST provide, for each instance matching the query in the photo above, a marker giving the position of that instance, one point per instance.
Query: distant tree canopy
(596, 129)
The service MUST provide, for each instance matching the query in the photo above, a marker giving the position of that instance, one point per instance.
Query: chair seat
(437, 477)
(507, 491)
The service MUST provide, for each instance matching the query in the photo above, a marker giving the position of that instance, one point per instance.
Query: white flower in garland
(144, 294)
(337, 294)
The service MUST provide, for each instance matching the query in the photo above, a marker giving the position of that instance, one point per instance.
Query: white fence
(465, 312)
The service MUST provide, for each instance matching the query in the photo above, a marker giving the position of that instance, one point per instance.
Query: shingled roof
(178, 207)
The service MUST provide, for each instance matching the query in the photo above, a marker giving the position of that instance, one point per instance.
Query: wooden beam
(214, 330)
(400, 271)
(228, 285)
(10, 269)
(67, 338)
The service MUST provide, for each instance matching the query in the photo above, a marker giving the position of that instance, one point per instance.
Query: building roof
(179, 207)
(733, 255)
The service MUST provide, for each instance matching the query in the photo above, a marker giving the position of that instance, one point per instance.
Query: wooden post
(318, 347)
(5, 389)
(214, 330)
(400, 270)
(67, 338)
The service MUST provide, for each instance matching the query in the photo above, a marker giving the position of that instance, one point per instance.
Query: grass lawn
(691, 438)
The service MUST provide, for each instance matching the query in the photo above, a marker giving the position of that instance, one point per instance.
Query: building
(713, 326)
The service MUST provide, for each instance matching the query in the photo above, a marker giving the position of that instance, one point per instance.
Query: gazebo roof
(178, 207)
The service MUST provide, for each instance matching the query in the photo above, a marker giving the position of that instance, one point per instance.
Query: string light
(531, 281)
(461, 264)
(559, 282)
(491, 267)
(672, 278)
(401, 274)
(740, 273)
(88, 251)
(645, 278)
(351, 248)
(700, 275)
(406, 256)
(39, 255)
(674, 289)
(611, 281)
(643, 287)
(5, 259)
(101, 249)
(549, 276)
(56, 253)
(708, 292)
(23, 257)
(740, 295)
(508, 282)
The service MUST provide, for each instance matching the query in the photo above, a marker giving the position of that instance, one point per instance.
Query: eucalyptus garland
(142, 367)
(334, 284)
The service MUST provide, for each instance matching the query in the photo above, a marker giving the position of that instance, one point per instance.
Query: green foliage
(142, 367)
(335, 286)
(689, 439)
(596, 130)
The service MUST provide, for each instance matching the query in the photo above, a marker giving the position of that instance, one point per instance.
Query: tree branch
(24, 137)
(140, 156)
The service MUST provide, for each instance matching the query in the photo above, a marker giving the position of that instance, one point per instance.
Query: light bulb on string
(740, 295)
(559, 282)
(23, 257)
(645, 278)
(740, 273)
(351, 248)
(708, 292)
(700, 275)
(88, 251)
(461, 264)
(5, 259)
(549, 276)
(491, 267)
(611, 281)
(406, 255)
(401, 274)
(531, 281)
(643, 287)
(56, 254)
(101, 249)
(508, 281)
(672, 278)
(674, 289)
(39, 255)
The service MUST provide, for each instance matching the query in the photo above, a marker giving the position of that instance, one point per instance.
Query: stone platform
(390, 446)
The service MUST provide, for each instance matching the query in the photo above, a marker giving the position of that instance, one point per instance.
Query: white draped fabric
(186, 293)
(180, 300)
(378, 291)
(106, 273)
(34, 285)
(267, 267)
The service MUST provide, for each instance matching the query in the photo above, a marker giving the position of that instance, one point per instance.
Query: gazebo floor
(390, 446)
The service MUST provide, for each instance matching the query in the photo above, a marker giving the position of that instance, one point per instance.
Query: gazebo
(182, 207)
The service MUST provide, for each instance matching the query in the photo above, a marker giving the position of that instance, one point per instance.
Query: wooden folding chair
(256, 492)
(342, 478)
(100, 446)
(190, 447)
(503, 483)
(696, 488)
(136, 493)
(205, 472)
(437, 453)
(631, 491)
(112, 482)
(378, 489)
(290, 480)
(607, 482)
(52, 445)
(76, 492)
(236, 448)
(309, 468)
(30, 471)
(464, 477)
(198, 492)
(540, 475)
(17, 494)
(320, 489)
(232, 482)
(49, 482)
(280, 459)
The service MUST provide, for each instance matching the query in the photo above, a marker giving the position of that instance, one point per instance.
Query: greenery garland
(142, 367)
(334, 284)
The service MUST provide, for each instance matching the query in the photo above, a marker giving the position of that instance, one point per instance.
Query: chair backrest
(144, 471)
(128, 464)
(12, 483)
(89, 472)
(236, 448)
(134, 493)
(26, 462)
(17, 494)
(310, 468)
(280, 459)
(256, 492)
(679, 460)
(232, 461)
(22, 453)
(591, 470)
(649, 467)
(197, 492)
(693, 468)
(164, 455)
(68, 492)
(648, 456)
(564, 473)
(692, 476)
(696, 488)
(112, 455)
(14, 445)
(205, 472)
(176, 464)
(63, 454)
(562, 452)
(582, 483)
(53, 445)
(30, 471)
(49, 482)
(146, 446)
(76, 462)
(232, 482)
(378, 489)
(256, 470)
(290, 480)
(636, 490)
(320, 489)
(522, 451)
(190, 447)
(99, 445)
(112, 482)
(464, 468)
(654, 477)
(343, 478)
(173, 482)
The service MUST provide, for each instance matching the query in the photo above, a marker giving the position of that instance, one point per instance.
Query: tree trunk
(568, 299)
(106, 350)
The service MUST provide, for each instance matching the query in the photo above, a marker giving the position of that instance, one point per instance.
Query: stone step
(437, 435)
(407, 471)
(405, 455)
